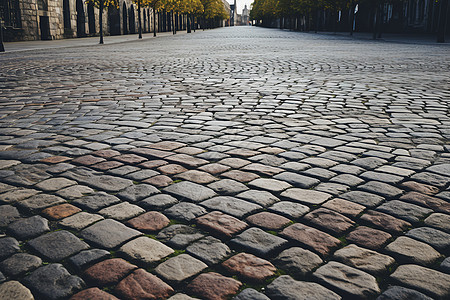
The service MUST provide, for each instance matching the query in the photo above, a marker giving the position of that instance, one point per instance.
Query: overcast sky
(240, 4)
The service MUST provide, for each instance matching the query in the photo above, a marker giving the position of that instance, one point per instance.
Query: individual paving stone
(75, 191)
(431, 179)
(290, 209)
(420, 187)
(317, 240)
(159, 181)
(240, 176)
(166, 145)
(368, 237)
(383, 177)
(286, 288)
(88, 257)
(19, 264)
(97, 201)
(108, 183)
(363, 198)
(143, 285)
(250, 294)
(348, 280)
(259, 242)
(369, 162)
(57, 245)
(423, 279)
(212, 285)
(262, 198)
(8, 246)
(268, 221)
(347, 169)
(55, 159)
(53, 282)
(121, 211)
(15, 290)
(214, 168)
(187, 160)
(196, 176)
(61, 211)
(186, 190)
(80, 220)
(137, 192)
(28, 227)
(381, 188)
(180, 267)
(149, 222)
(319, 162)
(106, 153)
(87, 160)
(27, 174)
(434, 203)
(39, 202)
(146, 250)
(108, 272)
(445, 265)
(130, 158)
(306, 196)
(179, 236)
(234, 162)
(228, 187)
(181, 296)
(364, 259)
(385, 221)
(122, 171)
(9, 214)
(210, 250)
(158, 202)
(297, 262)
(55, 184)
(141, 175)
(18, 194)
(107, 165)
(321, 174)
(401, 293)
(271, 185)
(249, 267)
(171, 169)
(344, 207)
(297, 180)
(329, 220)
(93, 293)
(221, 224)
(347, 179)
(439, 221)
(436, 238)
(442, 169)
(185, 211)
(406, 211)
(262, 169)
(230, 205)
(334, 189)
(411, 251)
(108, 234)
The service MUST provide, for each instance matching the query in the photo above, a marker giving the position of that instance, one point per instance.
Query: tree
(101, 5)
(140, 3)
(155, 5)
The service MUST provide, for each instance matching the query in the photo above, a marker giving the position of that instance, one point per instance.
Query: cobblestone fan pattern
(241, 163)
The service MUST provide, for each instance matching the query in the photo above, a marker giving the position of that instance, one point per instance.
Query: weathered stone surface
(53, 282)
(290, 209)
(439, 221)
(286, 288)
(55, 184)
(57, 245)
(181, 296)
(109, 271)
(436, 238)
(364, 259)
(249, 267)
(17, 194)
(368, 237)
(406, 211)
(445, 265)
(401, 293)
(143, 285)
(96, 202)
(384, 221)
(212, 285)
(61, 211)
(108, 234)
(381, 188)
(298, 262)
(80, 220)
(297, 180)
(306, 196)
(329, 220)
(9, 214)
(262, 198)
(93, 293)
(271, 185)
(149, 222)
(39, 202)
(186, 190)
(88, 257)
(145, 250)
(221, 224)
(344, 207)
(137, 192)
(185, 211)
(259, 242)
(19, 264)
(250, 294)
(28, 227)
(180, 267)
(230, 205)
(210, 250)
(15, 290)
(268, 221)
(228, 187)
(121, 211)
(75, 191)
(423, 279)
(158, 202)
(363, 198)
(412, 251)
(8, 246)
(434, 203)
(348, 280)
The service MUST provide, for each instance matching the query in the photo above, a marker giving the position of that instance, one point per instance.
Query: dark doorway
(132, 20)
(91, 18)
(66, 15)
(81, 19)
(125, 19)
(44, 26)
(114, 20)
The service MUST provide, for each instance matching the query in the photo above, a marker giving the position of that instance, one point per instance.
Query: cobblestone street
(241, 163)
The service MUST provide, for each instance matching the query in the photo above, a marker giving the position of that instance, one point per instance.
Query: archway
(132, 20)
(125, 18)
(81, 19)
(114, 20)
(91, 18)
(66, 15)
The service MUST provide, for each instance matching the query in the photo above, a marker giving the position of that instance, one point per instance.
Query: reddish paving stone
(166, 145)
(55, 159)
(243, 152)
(263, 169)
(143, 285)
(344, 207)
(234, 162)
(153, 164)
(317, 240)
(60, 211)
(329, 220)
(189, 150)
(187, 160)
(213, 286)
(368, 237)
(420, 187)
(159, 181)
(196, 176)
(109, 271)
(88, 160)
(221, 224)
(107, 153)
(214, 168)
(271, 150)
(434, 203)
(385, 221)
(107, 165)
(130, 158)
(240, 176)
(151, 152)
(150, 221)
(268, 220)
(249, 267)
(94, 294)
(171, 169)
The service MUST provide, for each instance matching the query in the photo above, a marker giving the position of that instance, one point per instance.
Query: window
(10, 13)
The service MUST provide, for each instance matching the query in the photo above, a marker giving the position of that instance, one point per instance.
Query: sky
(240, 4)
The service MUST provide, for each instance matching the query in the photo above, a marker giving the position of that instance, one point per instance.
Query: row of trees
(265, 12)
(204, 9)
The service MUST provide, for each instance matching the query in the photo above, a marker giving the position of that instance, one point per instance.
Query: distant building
(245, 18)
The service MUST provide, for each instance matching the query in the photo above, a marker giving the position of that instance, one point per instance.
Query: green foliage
(106, 3)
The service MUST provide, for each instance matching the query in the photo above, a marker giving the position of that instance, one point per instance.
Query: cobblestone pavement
(240, 163)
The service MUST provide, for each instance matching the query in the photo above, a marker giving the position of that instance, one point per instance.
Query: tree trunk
(100, 20)
(139, 20)
(442, 21)
(188, 28)
(352, 17)
(2, 47)
(154, 21)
